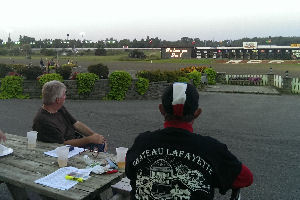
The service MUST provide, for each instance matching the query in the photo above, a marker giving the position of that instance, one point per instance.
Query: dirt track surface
(294, 70)
(133, 67)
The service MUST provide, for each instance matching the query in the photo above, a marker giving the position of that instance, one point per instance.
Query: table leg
(45, 198)
(16, 192)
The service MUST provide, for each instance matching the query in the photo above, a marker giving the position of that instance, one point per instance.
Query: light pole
(68, 40)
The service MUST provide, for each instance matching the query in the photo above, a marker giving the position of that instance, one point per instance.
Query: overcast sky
(169, 20)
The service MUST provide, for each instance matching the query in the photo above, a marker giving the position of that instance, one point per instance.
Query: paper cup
(31, 136)
(121, 154)
(62, 156)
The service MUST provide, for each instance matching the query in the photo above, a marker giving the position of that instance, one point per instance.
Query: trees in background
(143, 43)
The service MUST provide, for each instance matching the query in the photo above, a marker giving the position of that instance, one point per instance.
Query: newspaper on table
(72, 153)
(58, 179)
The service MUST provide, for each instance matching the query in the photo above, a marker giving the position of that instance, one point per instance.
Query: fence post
(221, 77)
(270, 76)
(287, 83)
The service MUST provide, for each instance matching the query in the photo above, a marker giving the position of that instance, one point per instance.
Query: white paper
(5, 150)
(57, 179)
(72, 153)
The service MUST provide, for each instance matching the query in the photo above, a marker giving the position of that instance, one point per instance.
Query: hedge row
(31, 72)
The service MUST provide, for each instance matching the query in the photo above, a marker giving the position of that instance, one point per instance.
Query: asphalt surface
(261, 130)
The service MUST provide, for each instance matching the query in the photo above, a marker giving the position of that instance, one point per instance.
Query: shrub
(157, 75)
(142, 86)
(183, 79)
(152, 76)
(99, 69)
(13, 74)
(172, 76)
(17, 67)
(65, 71)
(137, 54)
(48, 52)
(86, 82)
(4, 69)
(192, 68)
(153, 57)
(100, 52)
(30, 72)
(211, 75)
(12, 87)
(14, 51)
(119, 82)
(3, 52)
(50, 77)
(196, 77)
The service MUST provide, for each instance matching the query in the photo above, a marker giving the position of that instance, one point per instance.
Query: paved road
(262, 130)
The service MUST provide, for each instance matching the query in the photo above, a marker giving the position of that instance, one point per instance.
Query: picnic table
(20, 169)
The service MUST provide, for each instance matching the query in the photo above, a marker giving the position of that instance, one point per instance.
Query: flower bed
(245, 81)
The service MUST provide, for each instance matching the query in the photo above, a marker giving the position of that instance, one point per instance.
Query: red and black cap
(180, 99)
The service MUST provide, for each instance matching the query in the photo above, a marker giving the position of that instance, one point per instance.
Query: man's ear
(162, 110)
(197, 113)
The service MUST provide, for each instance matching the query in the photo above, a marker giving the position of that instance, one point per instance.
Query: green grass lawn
(111, 58)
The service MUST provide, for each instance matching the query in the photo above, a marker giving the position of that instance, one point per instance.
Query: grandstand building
(247, 52)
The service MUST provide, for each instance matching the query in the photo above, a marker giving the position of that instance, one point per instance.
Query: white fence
(296, 85)
(278, 81)
(262, 80)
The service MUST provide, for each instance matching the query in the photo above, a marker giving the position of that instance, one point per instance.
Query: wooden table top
(24, 166)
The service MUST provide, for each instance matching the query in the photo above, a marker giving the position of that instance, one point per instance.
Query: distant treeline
(143, 43)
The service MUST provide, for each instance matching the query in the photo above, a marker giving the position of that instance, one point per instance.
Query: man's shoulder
(39, 115)
(42, 117)
(148, 133)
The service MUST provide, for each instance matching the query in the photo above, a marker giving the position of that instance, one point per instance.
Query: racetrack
(134, 66)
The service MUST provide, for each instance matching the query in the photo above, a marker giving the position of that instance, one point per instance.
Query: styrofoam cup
(31, 137)
(62, 155)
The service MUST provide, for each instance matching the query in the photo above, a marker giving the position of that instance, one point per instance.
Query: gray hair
(52, 90)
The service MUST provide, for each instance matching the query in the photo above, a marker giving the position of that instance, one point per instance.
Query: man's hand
(96, 139)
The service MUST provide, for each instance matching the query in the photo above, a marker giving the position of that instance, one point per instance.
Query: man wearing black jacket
(175, 163)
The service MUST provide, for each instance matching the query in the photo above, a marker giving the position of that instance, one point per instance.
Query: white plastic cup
(31, 136)
(121, 154)
(62, 155)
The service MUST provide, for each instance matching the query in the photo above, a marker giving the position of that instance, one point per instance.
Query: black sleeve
(227, 168)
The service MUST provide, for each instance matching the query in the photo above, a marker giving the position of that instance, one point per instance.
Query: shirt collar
(179, 124)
